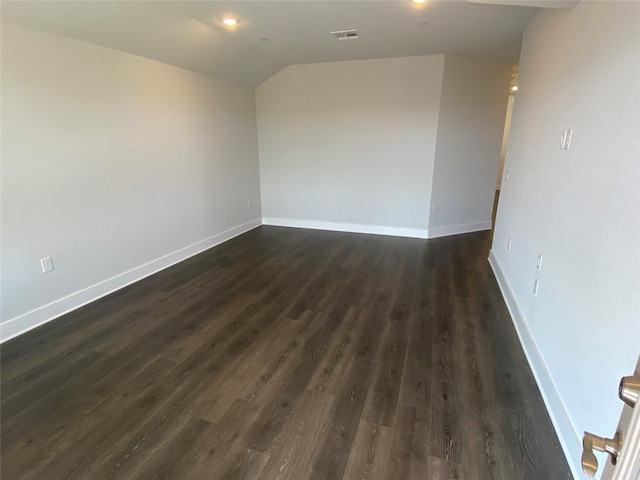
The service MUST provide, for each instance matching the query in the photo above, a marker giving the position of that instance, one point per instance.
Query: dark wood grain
(411, 444)
(302, 437)
(284, 354)
(369, 453)
(332, 460)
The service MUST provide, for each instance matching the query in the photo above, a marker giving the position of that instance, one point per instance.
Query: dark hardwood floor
(284, 354)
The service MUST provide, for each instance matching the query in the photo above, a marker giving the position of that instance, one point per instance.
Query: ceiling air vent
(346, 34)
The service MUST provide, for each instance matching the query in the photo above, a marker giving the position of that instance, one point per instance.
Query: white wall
(115, 166)
(350, 145)
(580, 209)
(470, 130)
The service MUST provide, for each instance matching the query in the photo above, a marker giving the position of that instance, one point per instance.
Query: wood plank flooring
(284, 354)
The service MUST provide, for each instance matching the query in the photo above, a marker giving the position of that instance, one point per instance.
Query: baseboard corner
(346, 227)
(437, 232)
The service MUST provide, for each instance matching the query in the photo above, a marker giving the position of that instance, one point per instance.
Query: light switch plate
(565, 141)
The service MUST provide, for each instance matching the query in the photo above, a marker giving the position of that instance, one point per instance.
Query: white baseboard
(458, 229)
(41, 315)
(570, 439)
(379, 230)
(347, 227)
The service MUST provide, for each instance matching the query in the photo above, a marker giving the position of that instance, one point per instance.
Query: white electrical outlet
(248, 202)
(539, 263)
(508, 245)
(434, 208)
(507, 175)
(47, 264)
(535, 287)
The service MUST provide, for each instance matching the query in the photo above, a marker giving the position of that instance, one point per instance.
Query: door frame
(628, 464)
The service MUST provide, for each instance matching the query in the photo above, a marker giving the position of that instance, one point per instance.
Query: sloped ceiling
(274, 34)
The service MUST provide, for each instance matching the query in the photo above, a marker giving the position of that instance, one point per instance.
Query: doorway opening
(513, 90)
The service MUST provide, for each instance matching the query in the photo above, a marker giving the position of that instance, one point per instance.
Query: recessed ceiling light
(418, 1)
(229, 21)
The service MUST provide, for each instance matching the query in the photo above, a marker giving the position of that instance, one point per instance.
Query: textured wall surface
(350, 142)
(111, 162)
(473, 108)
(579, 208)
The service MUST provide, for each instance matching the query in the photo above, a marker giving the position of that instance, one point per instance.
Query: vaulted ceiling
(274, 34)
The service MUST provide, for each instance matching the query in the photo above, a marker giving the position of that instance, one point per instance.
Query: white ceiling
(188, 34)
